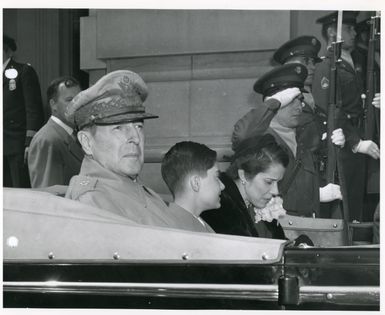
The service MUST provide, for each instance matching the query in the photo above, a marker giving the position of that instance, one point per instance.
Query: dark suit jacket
(22, 107)
(234, 218)
(54, 156)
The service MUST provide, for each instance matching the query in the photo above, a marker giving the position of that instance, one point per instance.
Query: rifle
(331, 167)
(371, 114)
(335, 60)
(334, 105)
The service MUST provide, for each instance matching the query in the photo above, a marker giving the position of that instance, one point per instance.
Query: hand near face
(260, 189)
(285, 97)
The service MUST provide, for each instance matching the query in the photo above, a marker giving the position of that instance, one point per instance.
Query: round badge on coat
(11, 73)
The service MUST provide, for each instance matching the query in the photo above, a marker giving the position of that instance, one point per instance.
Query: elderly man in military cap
(349, 89)
(300, 185)
(110, 118)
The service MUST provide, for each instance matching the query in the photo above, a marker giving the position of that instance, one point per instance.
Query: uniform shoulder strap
(79, 185)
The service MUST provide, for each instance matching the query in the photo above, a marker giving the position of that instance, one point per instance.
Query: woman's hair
(255, 155)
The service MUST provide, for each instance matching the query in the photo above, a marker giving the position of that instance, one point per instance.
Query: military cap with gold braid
(307, 46)
(281, 78)
(117, 97)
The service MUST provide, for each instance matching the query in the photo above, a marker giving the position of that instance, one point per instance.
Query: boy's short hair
(185, 158)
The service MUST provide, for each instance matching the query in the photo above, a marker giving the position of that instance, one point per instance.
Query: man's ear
(86, 140)
(195, 182)
(52, 104)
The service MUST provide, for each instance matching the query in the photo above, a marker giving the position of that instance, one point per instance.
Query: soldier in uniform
(349, 90)
(311, 131)
(300, 184)
(54, 154)
(302, 50)
(109, 117)
(22, 115)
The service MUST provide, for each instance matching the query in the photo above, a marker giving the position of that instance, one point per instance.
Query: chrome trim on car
(191, 290)
(345, 295)
(351, 295)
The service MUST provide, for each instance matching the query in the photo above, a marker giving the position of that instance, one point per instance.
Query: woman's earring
(243, 182)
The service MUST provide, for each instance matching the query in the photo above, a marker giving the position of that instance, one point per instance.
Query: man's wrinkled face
(119, 148)
(288, 116)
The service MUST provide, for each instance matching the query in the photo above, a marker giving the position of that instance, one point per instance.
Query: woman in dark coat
(251, 183)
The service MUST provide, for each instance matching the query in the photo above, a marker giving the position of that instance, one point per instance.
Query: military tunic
(101, 188)
(22, 117)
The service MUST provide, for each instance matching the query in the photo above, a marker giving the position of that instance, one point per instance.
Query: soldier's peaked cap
(348, 17)
(281, 78)
(117, 97)
(307, 46)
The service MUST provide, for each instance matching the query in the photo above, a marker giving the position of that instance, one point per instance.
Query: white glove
(368, 147)
(377, 100)
(285, 97)
(330, 192)
(338, 137)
